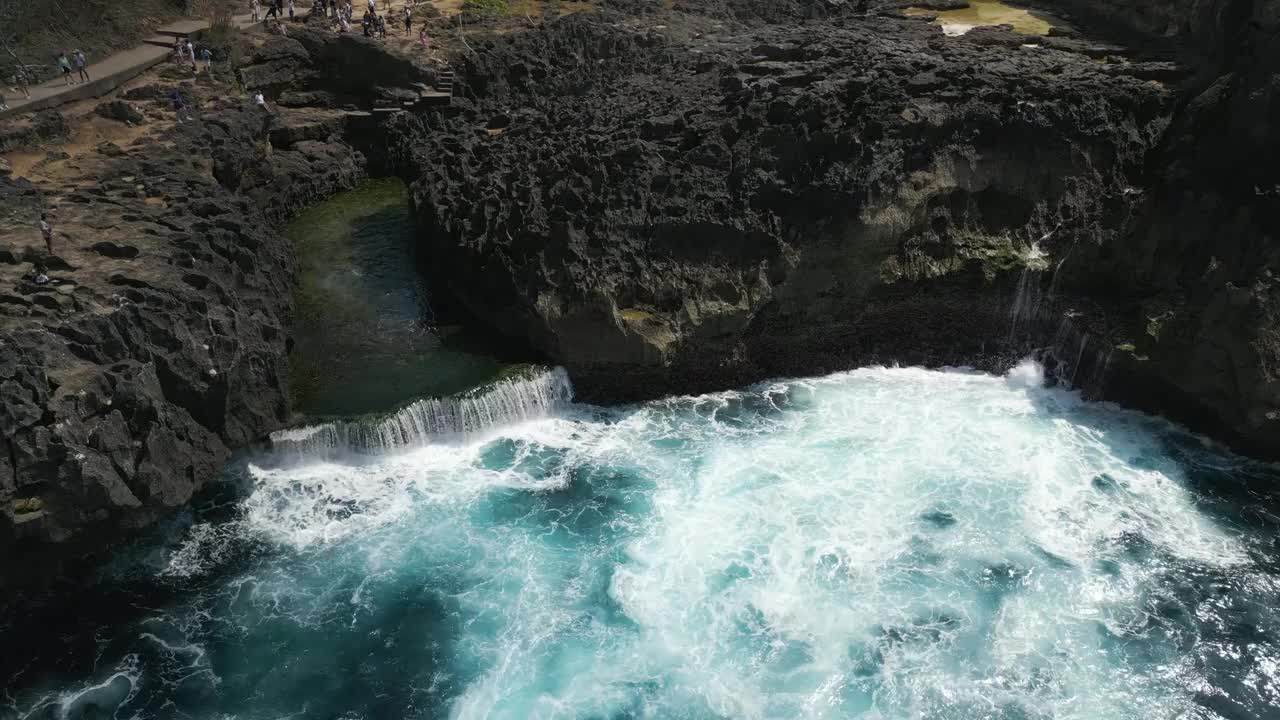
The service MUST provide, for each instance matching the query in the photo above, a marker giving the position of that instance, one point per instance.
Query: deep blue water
(884, 543)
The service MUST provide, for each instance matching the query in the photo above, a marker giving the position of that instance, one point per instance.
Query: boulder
(121, 111)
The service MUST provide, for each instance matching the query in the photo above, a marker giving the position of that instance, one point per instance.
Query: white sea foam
(882, 543)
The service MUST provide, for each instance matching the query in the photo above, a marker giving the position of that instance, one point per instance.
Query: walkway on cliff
(116, 70)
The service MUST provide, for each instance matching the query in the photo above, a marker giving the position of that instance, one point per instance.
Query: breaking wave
(882, 543)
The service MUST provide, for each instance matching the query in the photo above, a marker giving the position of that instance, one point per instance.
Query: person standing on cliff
(65, 65)
(46, 232)
(291, 17)
(207, 55)
(179, 105)
(82, 64)
(254, 10)
(24, 83)
(408, 21)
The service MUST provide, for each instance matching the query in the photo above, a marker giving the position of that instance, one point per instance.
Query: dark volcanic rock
(33, 130)
(147, 92)
(774, 199)
(1199, 257)
(318, 67)
(681, 205)
(120, 110)
(159, 342)
(125, 382)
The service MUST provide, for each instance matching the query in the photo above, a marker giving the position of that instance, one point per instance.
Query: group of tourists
(185, 51)
(275, 10)
(372, 24)
(68, 63)
(80, 63)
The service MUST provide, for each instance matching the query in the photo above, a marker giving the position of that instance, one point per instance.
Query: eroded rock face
(32, 130)
(710, 203)
(1200, 256)
(716, 204)
(159, 341)
(314, 67)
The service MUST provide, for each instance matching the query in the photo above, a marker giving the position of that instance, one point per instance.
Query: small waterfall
(1076, 359)
(500, 403)
(1075, 367)
(1026, 302)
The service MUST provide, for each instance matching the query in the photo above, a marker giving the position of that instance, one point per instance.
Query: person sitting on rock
(46, 232)
(39, 274)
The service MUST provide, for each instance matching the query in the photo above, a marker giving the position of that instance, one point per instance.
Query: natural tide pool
(883, 543)
(986, 13)
(366, 336)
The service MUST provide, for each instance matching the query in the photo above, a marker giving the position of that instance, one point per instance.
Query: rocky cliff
(690, 207)
(159, 343)
(665, 198)
(1198, 258)
(710, 197)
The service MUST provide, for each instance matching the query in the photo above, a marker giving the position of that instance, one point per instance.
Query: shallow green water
(366, 339)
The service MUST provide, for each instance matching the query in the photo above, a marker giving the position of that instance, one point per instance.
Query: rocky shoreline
(815, 190)
(161, 342)
(768, 200)
(666, 200)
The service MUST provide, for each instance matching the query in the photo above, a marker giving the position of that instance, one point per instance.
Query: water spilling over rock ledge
(526, 395)
(668, 201)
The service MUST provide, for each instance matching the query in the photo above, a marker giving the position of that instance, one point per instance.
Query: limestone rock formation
(160, 344)
(1200, 256)
(693, 209)
(746, 189)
